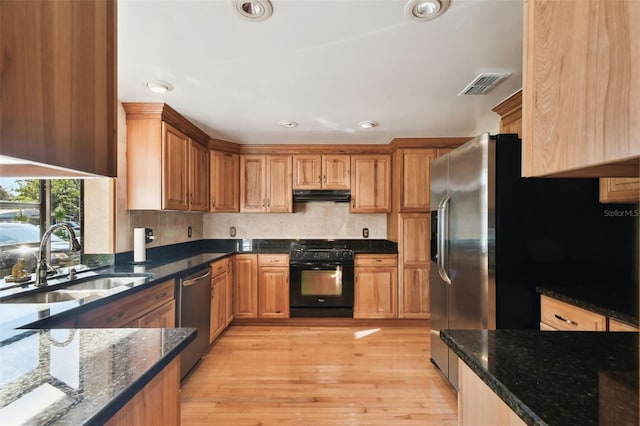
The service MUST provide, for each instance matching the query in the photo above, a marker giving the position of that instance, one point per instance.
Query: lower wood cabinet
(620, 190)
(413, 265)
(558, 315)
(615, 325)
(376, 286)
(218, 319)
(261, 286)
(158, 403)
(245, 293)
(415, 293)
(149, 306)
(479, 405)
(273, 286)
(231, 268)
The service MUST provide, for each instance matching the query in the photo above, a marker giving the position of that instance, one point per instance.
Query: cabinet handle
(566, 320)
(213, 201)
(377, 260)
(114, 317)
(324, 178)
(264, 201)
(319, 179)
(268, 202)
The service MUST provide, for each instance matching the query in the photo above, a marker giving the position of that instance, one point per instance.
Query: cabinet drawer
(127, 309)
(376, 260)
(566, 317)
(615, 325)
(273, 260)
(219, 267)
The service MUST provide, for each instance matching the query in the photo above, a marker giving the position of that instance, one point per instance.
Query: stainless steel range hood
(309, 195)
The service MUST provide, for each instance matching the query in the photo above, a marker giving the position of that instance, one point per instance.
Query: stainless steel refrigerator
(496, 236)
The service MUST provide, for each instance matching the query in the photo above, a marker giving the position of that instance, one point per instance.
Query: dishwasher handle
(192, 281)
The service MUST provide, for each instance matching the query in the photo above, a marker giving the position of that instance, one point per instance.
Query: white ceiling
(325, 64)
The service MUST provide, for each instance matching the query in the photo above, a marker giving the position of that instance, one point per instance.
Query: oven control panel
(321, 254)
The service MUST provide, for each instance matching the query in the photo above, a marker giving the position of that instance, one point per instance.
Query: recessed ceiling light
(425, 10)
(253, 10)
(367, 124)
(158, 86)
(288, 124)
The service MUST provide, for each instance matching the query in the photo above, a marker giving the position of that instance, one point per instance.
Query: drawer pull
(565, 320)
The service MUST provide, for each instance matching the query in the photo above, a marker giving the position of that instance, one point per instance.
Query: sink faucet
(42, 267)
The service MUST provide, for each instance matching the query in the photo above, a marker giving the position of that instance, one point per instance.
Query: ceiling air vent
(484, 83)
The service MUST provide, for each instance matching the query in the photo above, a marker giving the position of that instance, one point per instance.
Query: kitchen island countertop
(555, 378)
(80, 377)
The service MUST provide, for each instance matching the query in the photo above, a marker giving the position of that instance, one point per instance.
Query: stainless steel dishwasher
(194, 307)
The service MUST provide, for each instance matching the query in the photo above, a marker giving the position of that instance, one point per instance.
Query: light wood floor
(290, 375)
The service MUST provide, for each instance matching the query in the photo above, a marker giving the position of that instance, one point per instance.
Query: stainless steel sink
(46, 297)
(108, 283)
(96, 286)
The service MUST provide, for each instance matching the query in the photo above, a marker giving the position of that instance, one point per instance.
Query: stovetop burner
(320, 251)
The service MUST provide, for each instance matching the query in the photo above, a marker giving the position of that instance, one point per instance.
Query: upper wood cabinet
(265, 184)
(225, 182)
(581, 88)
(370, 183)
(59, 97)
(167, 160)
(415, 179)
(321, 172)
(510, 112)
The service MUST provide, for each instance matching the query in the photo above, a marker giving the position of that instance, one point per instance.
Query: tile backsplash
(310, 220)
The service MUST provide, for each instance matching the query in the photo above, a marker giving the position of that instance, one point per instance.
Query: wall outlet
(365, 232)
(232, 231)
(189, 232)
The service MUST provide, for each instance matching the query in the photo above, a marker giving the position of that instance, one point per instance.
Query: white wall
(310, 220)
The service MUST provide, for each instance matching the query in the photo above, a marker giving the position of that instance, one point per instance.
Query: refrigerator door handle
(443, 238)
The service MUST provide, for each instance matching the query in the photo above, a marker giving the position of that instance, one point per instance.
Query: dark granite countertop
(615, 303)
(554, 378)
(80, 377)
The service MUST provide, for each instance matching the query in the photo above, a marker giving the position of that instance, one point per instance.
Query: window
(28, 207)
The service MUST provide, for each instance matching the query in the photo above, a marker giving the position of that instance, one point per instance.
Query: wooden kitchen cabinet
(510, 111)
(167, 160)
(370, 183)
(157, 403)
(231, 267)
(130, 309)
(580, 88)
(273, 286)
(415, 179)
(413, 265)
(376, 286)
(161, 317)
(218, 313)
(620, 190)
(558, 315)
(59, 93)
(321, 172)
(615, 325)
(479, 405)
(225, 182)
(265, 184)
(245, 292)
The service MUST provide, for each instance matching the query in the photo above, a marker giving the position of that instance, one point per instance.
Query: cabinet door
(415, 293)
(279, 196)
(245, 295)
(620, 190)
(336, 171)
(566, 317)
(175, 179)
(415, 180)
(415, 244)
(307, 172)
(229, 291)
(252, 183)
(225, 182)
(273, 293)
(218, 305)
(581, 88)
(371, 183)
(59, 97)
(375, 293)
(162, 317)
(198, 177)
